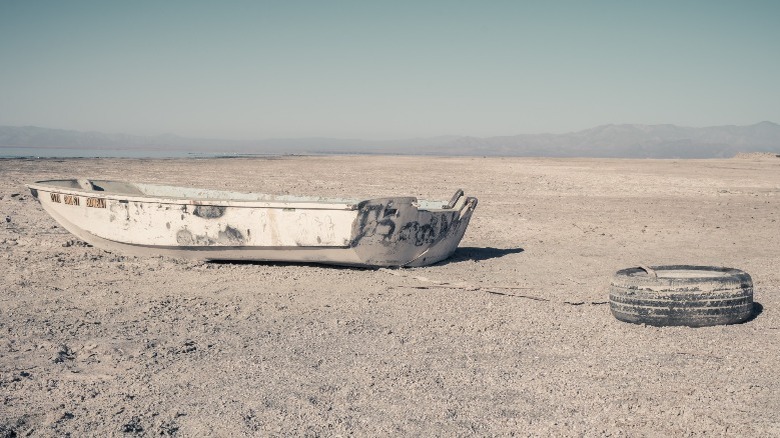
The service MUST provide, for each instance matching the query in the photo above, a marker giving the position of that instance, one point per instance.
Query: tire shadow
(757, 310)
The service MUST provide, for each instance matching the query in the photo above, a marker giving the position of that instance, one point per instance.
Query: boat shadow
(462, 254)
(478, 254)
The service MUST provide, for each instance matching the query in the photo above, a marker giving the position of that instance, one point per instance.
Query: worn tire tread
(695, 302)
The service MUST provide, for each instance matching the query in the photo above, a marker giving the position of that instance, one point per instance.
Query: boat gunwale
(325, 204)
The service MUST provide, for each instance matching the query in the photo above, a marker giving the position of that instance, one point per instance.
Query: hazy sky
(385, 69)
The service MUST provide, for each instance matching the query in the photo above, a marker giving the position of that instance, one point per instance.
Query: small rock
(64, 353)
(169, 428)
(133, 426)
(189, 346)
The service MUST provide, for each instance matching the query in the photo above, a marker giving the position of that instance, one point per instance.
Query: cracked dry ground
(95, 343)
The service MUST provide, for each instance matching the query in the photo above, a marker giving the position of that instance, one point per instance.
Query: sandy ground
(94, 343)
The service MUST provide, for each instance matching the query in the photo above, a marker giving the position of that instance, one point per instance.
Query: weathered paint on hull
(144, 220)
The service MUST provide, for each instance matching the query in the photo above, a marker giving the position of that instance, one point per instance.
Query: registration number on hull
(75, 200)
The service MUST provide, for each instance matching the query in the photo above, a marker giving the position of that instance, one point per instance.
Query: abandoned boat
(149, 219)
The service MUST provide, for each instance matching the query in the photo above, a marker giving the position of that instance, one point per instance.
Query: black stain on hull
(228, 237)
(185, 238)
(209, 211)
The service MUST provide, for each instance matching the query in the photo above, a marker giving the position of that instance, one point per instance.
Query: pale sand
(93, 343)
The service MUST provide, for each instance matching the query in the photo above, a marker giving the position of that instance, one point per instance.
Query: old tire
(694, 296)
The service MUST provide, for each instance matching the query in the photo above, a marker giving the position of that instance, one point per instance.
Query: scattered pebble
(189, 346)
(64, 353)
(133, 426)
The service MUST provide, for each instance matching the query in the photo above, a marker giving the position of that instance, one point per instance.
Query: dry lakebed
(511, 336)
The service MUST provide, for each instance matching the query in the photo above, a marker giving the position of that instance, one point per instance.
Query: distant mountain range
(607, 141)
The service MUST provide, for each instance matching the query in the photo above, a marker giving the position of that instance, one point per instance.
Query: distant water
(107, 153)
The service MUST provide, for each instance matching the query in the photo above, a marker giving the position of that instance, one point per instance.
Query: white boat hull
(146, 220)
